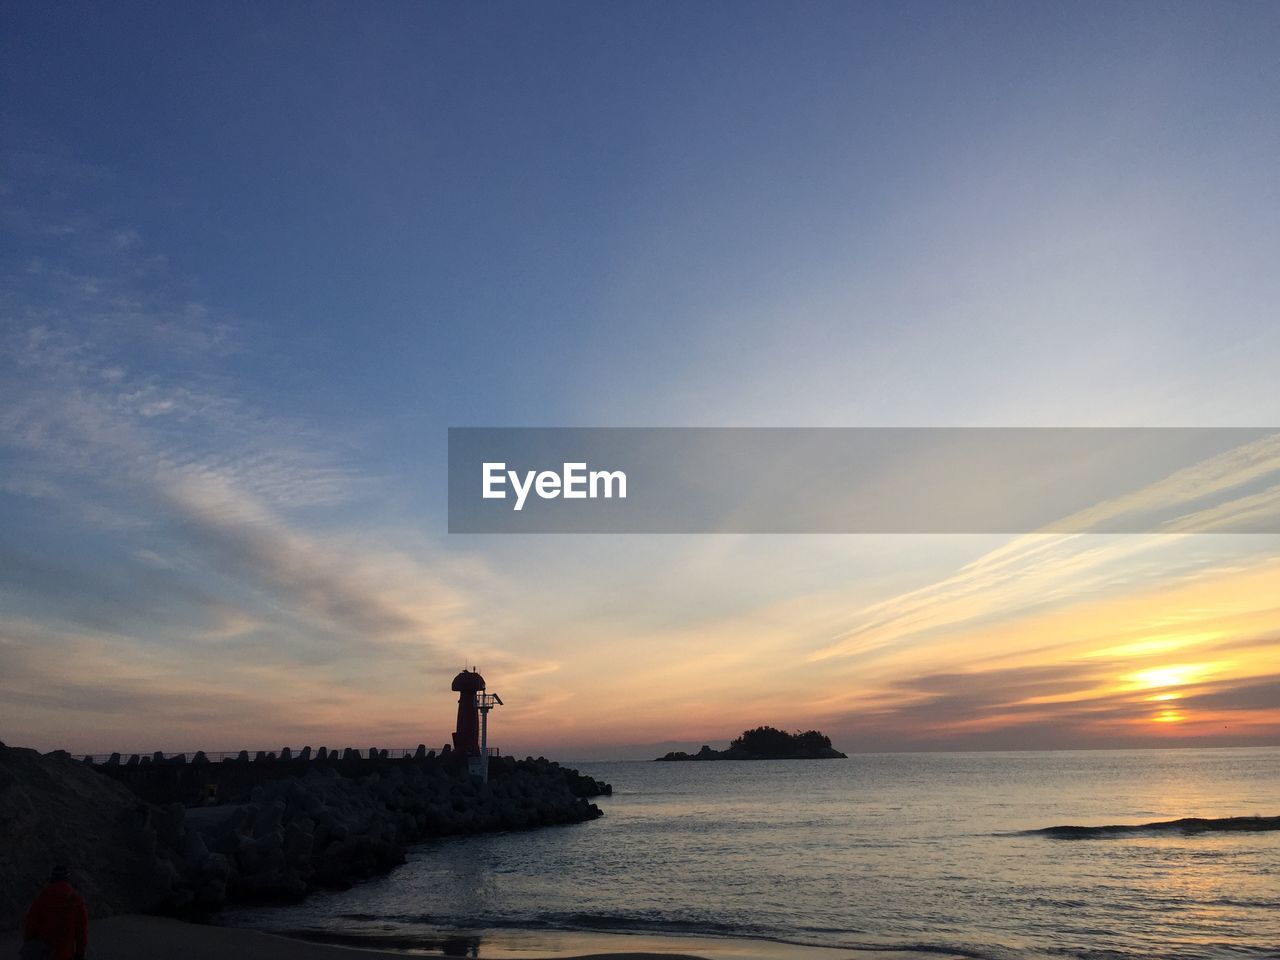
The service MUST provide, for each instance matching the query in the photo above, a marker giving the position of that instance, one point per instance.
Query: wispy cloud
(1039, 570)
(186, 497)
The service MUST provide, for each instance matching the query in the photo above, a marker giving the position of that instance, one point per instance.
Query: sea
(880, 855)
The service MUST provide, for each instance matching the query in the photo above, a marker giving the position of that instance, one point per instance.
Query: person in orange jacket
(58, 919)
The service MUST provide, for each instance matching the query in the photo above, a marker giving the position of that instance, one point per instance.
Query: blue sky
(256, 260)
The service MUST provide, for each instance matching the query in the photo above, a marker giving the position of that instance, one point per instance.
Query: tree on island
(772, 742)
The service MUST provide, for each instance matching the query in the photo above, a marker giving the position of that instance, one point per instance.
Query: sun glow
(1173, 676)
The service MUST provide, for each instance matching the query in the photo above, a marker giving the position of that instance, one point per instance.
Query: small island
(768, 743)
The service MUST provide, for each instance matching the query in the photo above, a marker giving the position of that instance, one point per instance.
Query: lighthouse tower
(471, 739)
(466, 738)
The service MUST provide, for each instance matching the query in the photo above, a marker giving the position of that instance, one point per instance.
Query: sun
(1173, 676)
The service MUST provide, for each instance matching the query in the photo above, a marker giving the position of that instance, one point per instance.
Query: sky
(257, 259)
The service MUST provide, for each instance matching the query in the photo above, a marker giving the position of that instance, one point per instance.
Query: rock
(327, 825)
(767, 743)
(194, 848)
(268, 818)
(212, 894)
(216, 866)
(169, 823)
(54, 807)
(298, 844)
(256, 855)
(146, 843)
(164, 877)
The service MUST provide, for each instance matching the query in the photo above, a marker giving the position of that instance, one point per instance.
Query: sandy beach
(134, 937)
(158, 938)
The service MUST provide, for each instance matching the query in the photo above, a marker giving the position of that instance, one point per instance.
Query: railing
(217, 756)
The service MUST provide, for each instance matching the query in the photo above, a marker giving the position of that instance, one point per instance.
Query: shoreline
(141, 937)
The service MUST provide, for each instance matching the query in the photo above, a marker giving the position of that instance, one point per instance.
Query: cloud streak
(177, 503)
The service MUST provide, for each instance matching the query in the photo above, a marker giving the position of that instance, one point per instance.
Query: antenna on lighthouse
(484, 703)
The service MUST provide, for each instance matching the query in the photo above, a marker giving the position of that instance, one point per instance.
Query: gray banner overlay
(864, 480)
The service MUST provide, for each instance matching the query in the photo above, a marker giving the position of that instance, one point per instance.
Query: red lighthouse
(466, 739)
(471, 739)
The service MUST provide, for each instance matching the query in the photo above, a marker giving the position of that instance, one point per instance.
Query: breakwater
(273, 826)
(349, 819)
(198, 780)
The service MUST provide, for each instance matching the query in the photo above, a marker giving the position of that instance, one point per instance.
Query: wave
(440, 938)
(734, 930)
(1185, 825)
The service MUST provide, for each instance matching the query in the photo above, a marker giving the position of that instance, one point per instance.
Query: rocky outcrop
(290, 835)
(53, 808)
(767, 743)
(327, 830)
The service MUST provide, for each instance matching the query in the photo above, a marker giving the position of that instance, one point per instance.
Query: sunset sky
(256, 259)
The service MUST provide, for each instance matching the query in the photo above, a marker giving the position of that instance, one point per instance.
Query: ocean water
(913, 854)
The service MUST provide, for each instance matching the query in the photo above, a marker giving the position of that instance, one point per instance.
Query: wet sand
(158, 938)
